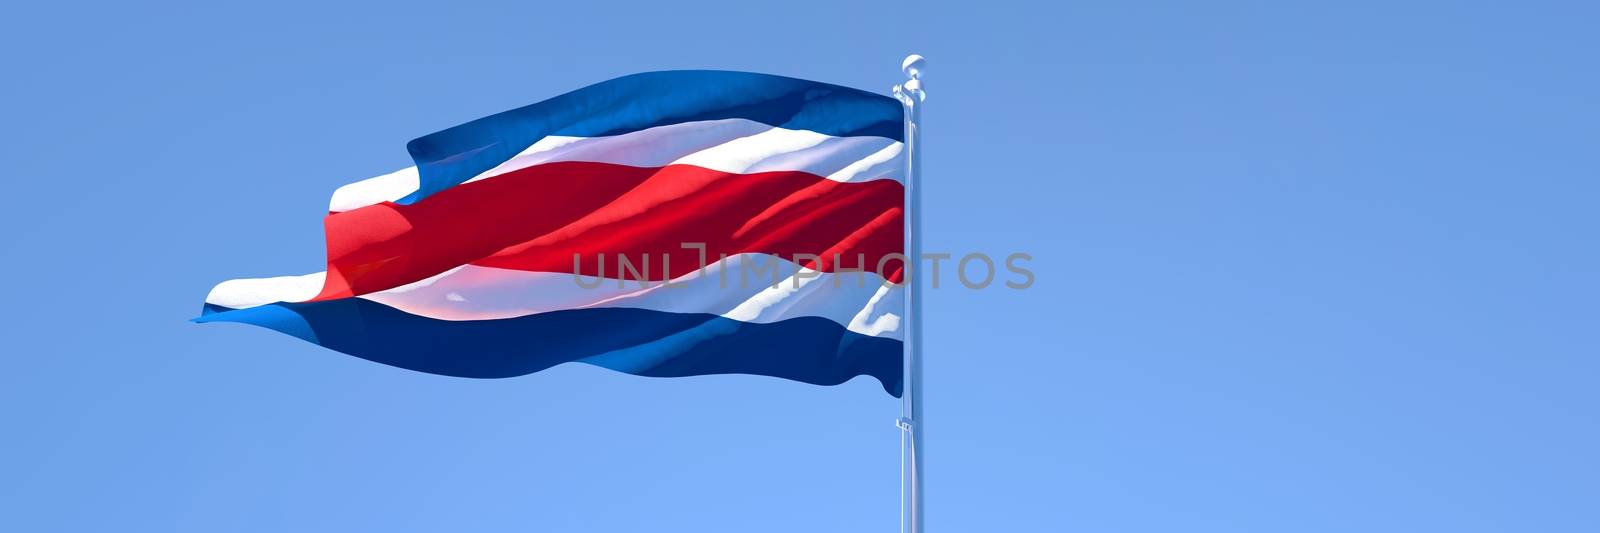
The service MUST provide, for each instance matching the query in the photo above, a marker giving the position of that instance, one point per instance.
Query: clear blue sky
(1300, 268)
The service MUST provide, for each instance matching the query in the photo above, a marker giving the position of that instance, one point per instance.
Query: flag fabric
(661, 224)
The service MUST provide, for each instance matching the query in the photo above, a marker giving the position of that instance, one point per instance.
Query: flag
(665, 224)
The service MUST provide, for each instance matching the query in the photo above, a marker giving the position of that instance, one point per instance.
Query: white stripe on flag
(738, 288)
(732, 145)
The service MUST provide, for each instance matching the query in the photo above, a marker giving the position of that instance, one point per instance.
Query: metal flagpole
(911, 96)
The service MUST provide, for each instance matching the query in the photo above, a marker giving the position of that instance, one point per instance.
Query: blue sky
(1299, 268)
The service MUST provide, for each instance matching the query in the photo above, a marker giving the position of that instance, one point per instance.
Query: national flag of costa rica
(543, 235)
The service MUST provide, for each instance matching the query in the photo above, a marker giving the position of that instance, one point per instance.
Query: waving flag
(636, 224)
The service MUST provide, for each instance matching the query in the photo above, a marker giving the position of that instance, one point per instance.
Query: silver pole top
(912, 67)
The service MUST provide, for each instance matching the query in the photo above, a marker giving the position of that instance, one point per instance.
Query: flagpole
(911, 96)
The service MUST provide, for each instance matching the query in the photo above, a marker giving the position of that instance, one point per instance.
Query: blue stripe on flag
(635, 341)
(645, 100)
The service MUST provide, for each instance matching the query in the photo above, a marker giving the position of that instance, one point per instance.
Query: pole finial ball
(913, 66)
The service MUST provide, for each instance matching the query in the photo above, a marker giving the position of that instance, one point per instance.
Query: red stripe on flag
(537, 218)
